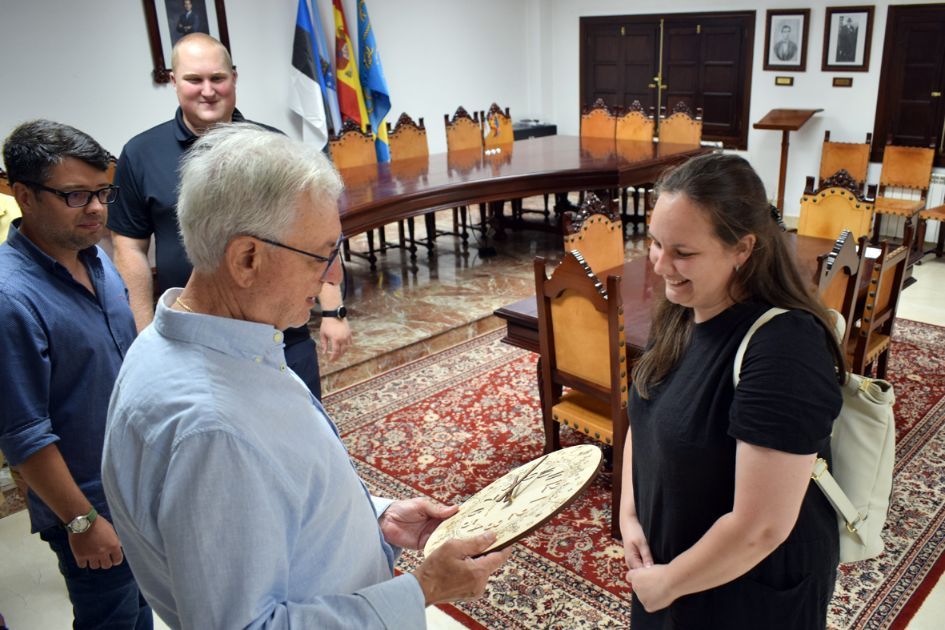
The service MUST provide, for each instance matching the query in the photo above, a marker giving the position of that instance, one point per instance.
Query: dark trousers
(300, 355)
(101, 598)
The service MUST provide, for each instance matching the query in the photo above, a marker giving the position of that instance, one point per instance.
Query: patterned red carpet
(446, 425)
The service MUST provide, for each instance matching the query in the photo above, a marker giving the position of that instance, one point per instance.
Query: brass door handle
(936, 94)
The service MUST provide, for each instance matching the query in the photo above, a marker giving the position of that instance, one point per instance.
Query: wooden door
(910, 106)
(704, 60)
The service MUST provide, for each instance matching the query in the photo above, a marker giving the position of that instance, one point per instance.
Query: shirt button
(282, 368)
(257, 359)
(277, 337)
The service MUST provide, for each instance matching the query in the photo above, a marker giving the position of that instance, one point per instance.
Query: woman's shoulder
(792, 333)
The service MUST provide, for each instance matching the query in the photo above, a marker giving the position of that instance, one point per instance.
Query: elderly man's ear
(243, 260)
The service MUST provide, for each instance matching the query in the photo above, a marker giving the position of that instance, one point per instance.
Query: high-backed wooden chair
(463, 131)
(872, 334)
(496, 128)
(583, 348)
(852, 157)
(837, 205)
(635, 125)
(598, 121)
(498, 136)
(903, 186)
(350, 149)
(838, 279)
(463, 134)
(408, 141)
(681, 127)
(595, 231)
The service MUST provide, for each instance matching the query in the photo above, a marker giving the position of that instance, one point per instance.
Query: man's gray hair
(240, 179)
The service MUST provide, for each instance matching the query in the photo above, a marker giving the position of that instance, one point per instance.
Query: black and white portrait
(847, 38)
(785, 47)
(846, 44)
(786, 39)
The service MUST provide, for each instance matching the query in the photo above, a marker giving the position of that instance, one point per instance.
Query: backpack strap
(820, 474)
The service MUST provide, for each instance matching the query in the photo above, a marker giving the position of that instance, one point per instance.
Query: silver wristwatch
(81, 523)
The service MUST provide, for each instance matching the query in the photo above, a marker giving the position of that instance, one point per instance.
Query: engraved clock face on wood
(523, 499)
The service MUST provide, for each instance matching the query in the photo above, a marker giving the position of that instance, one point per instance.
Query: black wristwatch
(340, 313)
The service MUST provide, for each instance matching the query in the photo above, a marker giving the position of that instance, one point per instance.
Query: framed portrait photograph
(169, 20)
(847, 35)
(786, 39)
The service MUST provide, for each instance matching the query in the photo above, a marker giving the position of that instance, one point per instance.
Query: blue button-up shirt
(60, 351)
(233, 495)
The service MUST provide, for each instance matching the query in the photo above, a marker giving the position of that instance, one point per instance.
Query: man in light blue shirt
(231, 490)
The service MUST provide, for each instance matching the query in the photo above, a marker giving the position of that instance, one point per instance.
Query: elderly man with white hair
(233, 494)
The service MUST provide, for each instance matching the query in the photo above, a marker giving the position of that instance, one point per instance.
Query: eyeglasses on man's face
(80, 198)
(329, 259)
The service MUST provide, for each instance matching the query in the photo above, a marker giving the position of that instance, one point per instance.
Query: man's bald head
(198, 42)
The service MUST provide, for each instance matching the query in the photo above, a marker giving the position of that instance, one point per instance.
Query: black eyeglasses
(80, 198)
(329, 260)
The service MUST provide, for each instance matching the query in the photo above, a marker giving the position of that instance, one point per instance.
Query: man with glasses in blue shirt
(66, 329)
(235, 498)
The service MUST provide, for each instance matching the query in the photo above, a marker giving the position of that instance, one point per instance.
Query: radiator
(936, 198)
(894, 226)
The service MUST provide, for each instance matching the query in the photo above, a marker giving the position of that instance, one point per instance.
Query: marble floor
(405, 310)
(400, 313)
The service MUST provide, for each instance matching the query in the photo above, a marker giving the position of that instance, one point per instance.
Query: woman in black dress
(722, 527)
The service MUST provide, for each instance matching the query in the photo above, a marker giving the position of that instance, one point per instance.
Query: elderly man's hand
(409, 523)
(452, 572)
(335, 336)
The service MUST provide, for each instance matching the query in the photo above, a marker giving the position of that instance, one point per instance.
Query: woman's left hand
(651, 585)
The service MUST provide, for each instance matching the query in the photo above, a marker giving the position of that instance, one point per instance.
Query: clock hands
(509, 494)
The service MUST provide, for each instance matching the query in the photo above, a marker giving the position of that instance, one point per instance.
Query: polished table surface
(639, 288)
(378, 194)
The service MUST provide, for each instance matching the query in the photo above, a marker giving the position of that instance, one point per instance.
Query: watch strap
(340, 313)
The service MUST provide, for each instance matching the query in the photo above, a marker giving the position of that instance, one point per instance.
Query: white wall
(848, 112)
(88, 63)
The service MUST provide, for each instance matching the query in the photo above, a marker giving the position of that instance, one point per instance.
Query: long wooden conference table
(640, 287)
(378, 194)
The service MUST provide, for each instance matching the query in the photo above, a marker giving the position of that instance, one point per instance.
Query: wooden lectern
(786, 120)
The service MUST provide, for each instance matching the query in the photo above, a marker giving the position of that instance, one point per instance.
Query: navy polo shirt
(62, 348)
(148, 176)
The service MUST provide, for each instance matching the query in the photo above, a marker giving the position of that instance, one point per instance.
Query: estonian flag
(305, 97)
(373, 84)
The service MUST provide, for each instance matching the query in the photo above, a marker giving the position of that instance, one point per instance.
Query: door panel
(706, 64)
(910, 109)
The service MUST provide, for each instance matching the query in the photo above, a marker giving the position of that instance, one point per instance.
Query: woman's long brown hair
(733, 197)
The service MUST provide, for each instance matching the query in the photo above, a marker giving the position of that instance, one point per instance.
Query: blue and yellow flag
(373, 84)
